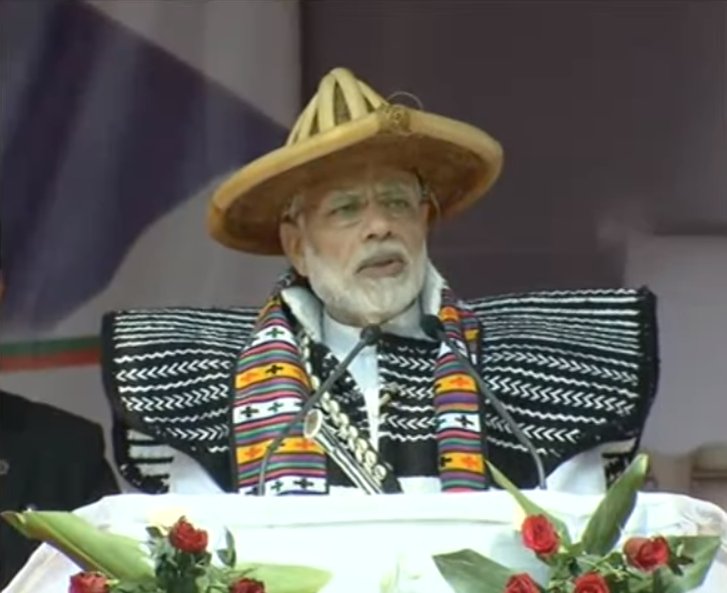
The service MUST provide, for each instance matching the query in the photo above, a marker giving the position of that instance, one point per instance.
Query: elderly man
(200, 395)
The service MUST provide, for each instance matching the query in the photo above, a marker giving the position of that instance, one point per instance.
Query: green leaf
(90, 548)
(528, 505)
(155, 533)
(286, 578)
(605, 525)
(228, 556)
(133, 588)
(675, 567)
(467, 571)
(702, 549)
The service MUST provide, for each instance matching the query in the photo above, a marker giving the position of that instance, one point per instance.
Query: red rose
(88, 582)
(185, 538)
(647, 554)
(591, 582)
(540, 536)
(247, 586)
(521, 583)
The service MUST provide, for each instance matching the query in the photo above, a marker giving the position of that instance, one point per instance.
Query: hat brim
(458, 162)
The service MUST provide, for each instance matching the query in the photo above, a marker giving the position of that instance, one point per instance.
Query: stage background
(117, 116)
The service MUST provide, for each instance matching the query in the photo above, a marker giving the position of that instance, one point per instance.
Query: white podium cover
(366, 540)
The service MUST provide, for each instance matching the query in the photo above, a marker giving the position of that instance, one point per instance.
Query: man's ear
(291, 238)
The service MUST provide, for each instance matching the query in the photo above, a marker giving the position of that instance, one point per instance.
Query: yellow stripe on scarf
(472, 335)
(448, 314)
(289, 445)
(272, 371)
(457, 382)
(272, 302)
(471, 462)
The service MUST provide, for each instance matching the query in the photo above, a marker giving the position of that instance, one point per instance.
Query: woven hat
(347, 125)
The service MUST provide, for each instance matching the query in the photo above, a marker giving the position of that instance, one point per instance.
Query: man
(349, 200)
(49, 460)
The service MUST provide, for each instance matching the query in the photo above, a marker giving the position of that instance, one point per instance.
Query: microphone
(369, 335)
(432, 326)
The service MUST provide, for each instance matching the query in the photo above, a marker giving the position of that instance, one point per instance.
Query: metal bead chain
(361, 448)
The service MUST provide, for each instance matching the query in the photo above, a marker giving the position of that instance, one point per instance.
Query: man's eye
(396, 203)
(350, 208)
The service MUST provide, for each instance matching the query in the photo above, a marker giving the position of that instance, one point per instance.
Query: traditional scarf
(274, 377)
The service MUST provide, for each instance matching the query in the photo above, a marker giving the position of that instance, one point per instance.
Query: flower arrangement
(595, 563)
(178, 560)
(181, 564)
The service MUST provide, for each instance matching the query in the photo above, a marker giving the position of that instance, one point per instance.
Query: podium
(365, 541)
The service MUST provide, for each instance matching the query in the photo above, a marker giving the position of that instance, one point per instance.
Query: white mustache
(370, 253)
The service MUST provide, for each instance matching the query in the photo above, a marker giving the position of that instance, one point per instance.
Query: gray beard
(362, 301)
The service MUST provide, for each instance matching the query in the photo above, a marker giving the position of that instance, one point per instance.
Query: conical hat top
(344, 126)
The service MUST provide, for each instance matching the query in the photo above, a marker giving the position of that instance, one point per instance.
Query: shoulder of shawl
(628, 314)
(140, 340)
(568, 361)
(167, 373)
(614, 326)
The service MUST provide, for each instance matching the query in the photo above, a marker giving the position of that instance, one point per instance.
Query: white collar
(406, 324)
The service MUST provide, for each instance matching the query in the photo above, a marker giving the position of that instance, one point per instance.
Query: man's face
(361, 242)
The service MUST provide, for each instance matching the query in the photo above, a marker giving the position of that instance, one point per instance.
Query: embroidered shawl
(576, 369)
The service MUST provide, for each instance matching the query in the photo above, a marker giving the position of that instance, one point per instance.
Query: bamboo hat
(345, 125)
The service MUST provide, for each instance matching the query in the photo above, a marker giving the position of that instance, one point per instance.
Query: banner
(117, 117)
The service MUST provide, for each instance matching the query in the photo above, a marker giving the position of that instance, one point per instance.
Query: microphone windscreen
(432, 326)
(370, 334)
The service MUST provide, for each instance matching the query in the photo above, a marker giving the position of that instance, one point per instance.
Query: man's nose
(376, 223)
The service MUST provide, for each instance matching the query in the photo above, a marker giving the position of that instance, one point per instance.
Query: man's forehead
(361, 178)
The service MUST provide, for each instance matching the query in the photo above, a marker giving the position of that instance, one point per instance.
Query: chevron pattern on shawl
(576, 369)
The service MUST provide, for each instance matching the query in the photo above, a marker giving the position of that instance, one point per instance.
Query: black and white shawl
(576, 369)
